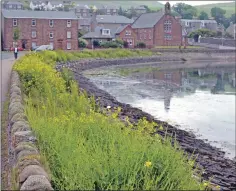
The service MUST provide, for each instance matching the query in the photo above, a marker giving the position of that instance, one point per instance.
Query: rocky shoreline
(217, 168)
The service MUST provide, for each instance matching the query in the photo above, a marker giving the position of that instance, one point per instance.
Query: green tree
(16, 34)
(203, 16)
(120, 11)
(186, 11)
(233, 18)
(218, 14)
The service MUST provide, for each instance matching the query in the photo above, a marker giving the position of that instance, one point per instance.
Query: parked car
(34, 48)
(19, 49)
(43, 48)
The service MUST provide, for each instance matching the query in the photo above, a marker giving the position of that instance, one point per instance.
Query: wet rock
(31, 170)
(20, 126)
(36, 182)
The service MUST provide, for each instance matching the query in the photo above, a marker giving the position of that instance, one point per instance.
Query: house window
(127, 33)
(168, 76)
(10, 6)
(33, 44)
(68, 45)
(51, 35)
(106, 32)
(150, 36)
(84, 14)
(167, 26)
(168, 37)
(33, 22)
(51, 23)
(18, 6)
(187, 23)
(130, 42)
(68, 34)
(33, 34)
(68, 23)
(144, 36)
(14, 22)
(141, 36)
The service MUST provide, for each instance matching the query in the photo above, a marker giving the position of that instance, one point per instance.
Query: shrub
(82, 43)
(96, 43)
(126, 45)
(110, 44)
(141, 45)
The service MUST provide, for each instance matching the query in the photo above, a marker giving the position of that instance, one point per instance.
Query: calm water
(198, 100)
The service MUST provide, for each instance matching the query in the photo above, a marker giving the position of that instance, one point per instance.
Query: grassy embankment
(88, 150)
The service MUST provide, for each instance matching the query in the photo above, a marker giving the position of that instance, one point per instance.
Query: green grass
(228, 6)
(87, 149)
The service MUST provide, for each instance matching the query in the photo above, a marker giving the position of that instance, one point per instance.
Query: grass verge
(87, 149)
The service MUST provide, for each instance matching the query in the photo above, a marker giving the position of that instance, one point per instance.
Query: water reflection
(201, 99)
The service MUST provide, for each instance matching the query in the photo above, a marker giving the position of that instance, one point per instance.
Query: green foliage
(110, 44)
(233, 18)
(141, 45)
(203, 33)
(96, 43)
(87, 149)
(186, 11)
(16, 34)
(203, 16)
(82, 43)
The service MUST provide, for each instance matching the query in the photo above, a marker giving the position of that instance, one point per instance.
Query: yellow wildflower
(205, 184)
(148, 164)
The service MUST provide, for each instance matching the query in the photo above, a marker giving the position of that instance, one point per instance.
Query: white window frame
(51, 23)
(106, 32)
(167, 26)
(33, 21)
(18, 6)
(10, 6)
(68, 45)
(127, 32)
(51, 35)
(68, 23)
(187, 23)
(68, 34)
(33, 34)
(14, 22)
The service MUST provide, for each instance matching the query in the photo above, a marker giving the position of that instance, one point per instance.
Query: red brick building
(57, 28)
(155, 29)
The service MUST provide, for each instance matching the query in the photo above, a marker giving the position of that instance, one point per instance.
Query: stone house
(156, 29)
(192, 25)
(232, 30)
(126, 33)
(13, 5)
(108, 10)
(82, 11)
(59, 29)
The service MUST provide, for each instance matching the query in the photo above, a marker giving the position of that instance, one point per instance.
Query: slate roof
(198, 21)
(96, 34)
(147, 20)
(14, 2)
(113, 19)
(38, 14)
(121, 28)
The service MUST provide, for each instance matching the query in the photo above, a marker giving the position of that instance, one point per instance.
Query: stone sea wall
(28, 171)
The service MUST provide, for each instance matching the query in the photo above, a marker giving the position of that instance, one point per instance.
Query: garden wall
(28, 172)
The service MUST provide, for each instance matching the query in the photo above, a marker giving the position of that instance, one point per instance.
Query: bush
(96, 43)
(141, 45)
(82, 43)
(203, 33)
(126, 45)
(110, 44)
(87, 150)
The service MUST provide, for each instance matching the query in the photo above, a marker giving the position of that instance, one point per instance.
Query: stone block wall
(29, 172)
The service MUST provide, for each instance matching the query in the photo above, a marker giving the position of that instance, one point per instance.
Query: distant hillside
(229, 7)
(123, 4)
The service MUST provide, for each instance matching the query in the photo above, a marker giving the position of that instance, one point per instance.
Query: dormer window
(106, 32)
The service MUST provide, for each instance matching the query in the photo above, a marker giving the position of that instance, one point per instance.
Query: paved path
(7, 63)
